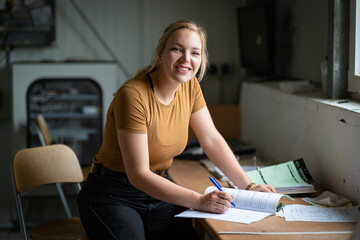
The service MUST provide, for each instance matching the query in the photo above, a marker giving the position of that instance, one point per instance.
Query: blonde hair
(181, 24)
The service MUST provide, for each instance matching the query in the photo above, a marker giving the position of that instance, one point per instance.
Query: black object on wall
(27, 23)
(255, 31)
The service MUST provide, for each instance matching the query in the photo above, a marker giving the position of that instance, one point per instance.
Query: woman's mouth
(182, 68)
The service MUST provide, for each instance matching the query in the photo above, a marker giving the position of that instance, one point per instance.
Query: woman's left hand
(263, 188)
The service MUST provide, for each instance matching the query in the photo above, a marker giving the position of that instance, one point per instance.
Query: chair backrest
(44, 129)
(37, 166)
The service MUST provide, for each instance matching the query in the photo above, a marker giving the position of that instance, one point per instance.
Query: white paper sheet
(251, 206)
(252, 200)
(232, 215)
(327, 198)
(295, 212)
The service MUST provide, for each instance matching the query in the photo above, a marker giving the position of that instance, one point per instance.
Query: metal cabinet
(72, 108)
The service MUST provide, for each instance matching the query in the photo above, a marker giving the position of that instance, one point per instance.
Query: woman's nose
(185, 57)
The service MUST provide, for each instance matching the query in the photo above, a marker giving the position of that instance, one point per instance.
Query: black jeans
(111, 208)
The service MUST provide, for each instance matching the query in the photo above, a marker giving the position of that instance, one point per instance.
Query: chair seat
(66, 229)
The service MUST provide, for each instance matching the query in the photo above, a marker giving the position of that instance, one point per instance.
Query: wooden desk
(192, 175)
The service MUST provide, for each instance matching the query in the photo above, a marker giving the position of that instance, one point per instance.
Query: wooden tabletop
(192, 175)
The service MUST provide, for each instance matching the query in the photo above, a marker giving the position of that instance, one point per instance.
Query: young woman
(127, 195)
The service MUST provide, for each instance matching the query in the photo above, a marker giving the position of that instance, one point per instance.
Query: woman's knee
(112, 222)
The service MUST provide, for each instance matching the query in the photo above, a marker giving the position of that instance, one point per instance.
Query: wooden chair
(43, 132)
(34, 167)
(47, 139)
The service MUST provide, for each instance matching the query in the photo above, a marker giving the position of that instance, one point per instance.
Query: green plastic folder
(290, 177)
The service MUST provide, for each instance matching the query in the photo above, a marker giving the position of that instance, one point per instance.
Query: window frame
(354, 48)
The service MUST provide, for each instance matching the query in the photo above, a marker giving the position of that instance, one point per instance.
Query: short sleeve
(129, 110)
(199, 100)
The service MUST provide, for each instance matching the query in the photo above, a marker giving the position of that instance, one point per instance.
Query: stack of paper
(251, 206)
(288, 178)
(295, 212)
(296, 87)
(328, 199)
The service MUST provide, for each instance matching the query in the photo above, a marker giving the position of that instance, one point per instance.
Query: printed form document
(251, 206)
(295, 212)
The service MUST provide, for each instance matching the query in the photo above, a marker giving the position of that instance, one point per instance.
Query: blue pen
(217, 185)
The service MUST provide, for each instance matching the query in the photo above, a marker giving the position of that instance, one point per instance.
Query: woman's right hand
(215, 202)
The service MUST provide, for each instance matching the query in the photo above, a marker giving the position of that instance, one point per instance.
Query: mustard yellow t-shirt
(136, 109)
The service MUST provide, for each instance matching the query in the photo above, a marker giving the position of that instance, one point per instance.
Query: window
(354, 61)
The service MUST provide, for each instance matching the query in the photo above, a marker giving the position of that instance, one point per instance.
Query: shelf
(66, 115)
(66, 97)
(31, 29)
(80, 134)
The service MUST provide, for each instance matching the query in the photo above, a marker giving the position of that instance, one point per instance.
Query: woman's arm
(216, 148)
(134, 149)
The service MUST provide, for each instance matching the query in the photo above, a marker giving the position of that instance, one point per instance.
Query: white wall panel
(286, 127)
(132, 28)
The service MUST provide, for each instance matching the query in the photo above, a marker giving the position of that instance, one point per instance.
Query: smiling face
(181, 57)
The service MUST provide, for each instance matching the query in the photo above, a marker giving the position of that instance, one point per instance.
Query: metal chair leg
(63, 199)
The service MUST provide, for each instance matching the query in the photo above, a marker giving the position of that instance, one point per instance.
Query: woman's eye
(196, 53)
(176, 49)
